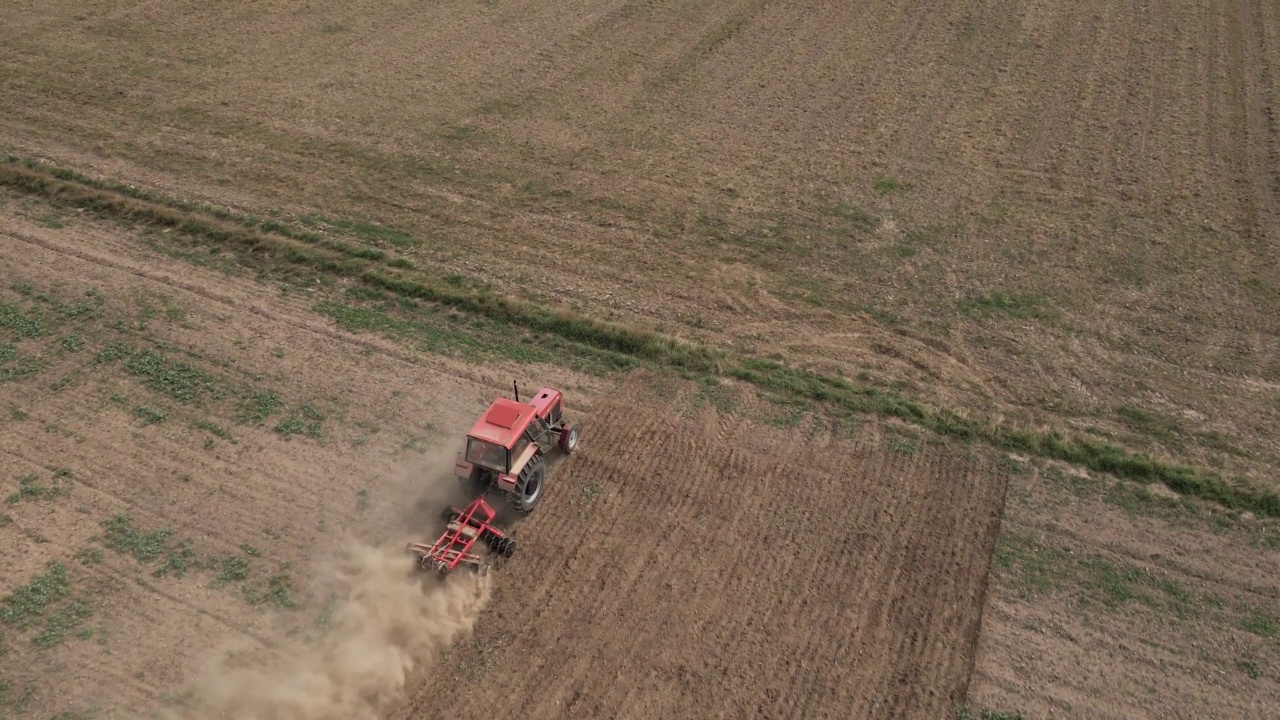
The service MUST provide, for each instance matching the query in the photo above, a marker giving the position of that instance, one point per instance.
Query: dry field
(920, 235)
(698, 564)
(690, 561)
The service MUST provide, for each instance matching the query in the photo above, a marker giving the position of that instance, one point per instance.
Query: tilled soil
(691, 564)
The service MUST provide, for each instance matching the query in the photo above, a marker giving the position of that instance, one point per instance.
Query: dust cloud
(390, 618)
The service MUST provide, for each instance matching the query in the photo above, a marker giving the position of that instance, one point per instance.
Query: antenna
(517, 389)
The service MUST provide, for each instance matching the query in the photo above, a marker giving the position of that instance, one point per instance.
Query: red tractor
(507, 448)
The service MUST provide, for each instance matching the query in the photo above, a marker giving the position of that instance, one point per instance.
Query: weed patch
(29, 488)
(716, 394)
(176, 562)
(370, 232)
(175, 379)
(20, 324)
(113, 352)
(889, 186)
(255, 406)
(533, 332)
(234, 569)
(851, 216)
(904, 446)
(148, 416)
(1032, 568)
(121, 535)
(26, 603)
(68, 618)
(451, 335)
(1261, 622)
(89, 556)
(19, 703)
(213, 429)
(14, 365)
(278, 591)
(1150, 424)
(1249, 666)
(306, 420)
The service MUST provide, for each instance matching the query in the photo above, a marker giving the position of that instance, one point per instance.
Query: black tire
(569, 438)
(529, 486)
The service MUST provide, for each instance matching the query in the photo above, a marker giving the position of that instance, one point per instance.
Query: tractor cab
(507, 445)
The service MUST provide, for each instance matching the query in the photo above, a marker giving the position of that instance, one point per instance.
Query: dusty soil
(694, 564)
(698, 572)
(75, 426)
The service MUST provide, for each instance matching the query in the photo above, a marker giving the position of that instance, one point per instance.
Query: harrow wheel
(528, 490)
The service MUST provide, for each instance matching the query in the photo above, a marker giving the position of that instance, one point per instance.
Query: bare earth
(291, 500)
(659, 580)
(728, 568)
(1052, 214)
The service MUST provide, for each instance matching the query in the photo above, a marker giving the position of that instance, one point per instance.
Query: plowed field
(702, 565)
(263, 262)
(686, 562)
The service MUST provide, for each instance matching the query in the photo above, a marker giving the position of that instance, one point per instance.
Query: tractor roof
(503, 422)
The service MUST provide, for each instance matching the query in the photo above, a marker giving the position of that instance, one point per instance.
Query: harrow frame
(456, 545)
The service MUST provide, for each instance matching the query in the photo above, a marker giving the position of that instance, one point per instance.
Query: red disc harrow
(456, 544)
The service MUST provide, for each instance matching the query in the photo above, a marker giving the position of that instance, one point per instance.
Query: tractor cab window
(521, 444)
(537, 432)
(537, 428)
(487, 455)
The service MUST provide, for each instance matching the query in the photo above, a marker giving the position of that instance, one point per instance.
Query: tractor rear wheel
(528, 490)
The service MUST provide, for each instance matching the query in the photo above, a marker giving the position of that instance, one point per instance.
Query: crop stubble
(713, 566)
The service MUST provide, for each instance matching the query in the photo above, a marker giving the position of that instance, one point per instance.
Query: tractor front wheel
(569, 438)
(528, 490)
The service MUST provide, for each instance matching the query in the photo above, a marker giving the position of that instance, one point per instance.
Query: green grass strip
(605, 336)
(272, 241)
(1098, 456)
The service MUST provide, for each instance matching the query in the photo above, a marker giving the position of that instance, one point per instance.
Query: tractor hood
(503, 422)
